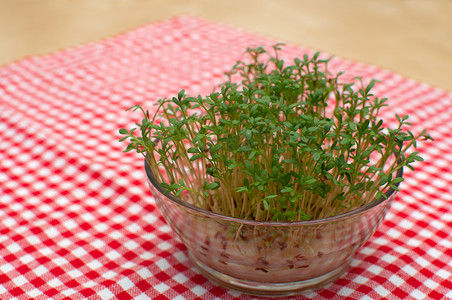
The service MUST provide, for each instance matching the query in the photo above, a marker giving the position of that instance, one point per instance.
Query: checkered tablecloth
(77, 220)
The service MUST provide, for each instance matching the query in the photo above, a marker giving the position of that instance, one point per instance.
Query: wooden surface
(410, 37)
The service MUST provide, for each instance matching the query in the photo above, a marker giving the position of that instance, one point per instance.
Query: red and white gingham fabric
(77, 220)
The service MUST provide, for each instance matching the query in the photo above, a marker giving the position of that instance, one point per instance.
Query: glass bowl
(269, 258)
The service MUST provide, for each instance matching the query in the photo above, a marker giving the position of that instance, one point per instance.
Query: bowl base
(268, 289)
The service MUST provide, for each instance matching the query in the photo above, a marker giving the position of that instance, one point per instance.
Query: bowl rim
(152, 179)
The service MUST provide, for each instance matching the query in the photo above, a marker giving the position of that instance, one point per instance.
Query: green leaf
(174, 186)
(309, 181)
(418, 158)
(370, 86)
(312, 129)
(287, 190)
(195, 157)
(395, 188)
(397, 180)
(244, 149)
(213, 185)
(165, 185)
(327, 127)
(384, 179)
(129, 147)
(264, 201)
(248, 165)
(275, 171)
(266, 100)
(193, 150)
(316, 156)
(180, 95)
(173, 121)
(231, 163)
(346, 141)
(246, 182)
(215, 148)
(248, 135)
(340, 197)
(380, 194)
(358, 186)
(198, 138)
(289, 161)
(280, 151)
(241, 189)
(252, 154)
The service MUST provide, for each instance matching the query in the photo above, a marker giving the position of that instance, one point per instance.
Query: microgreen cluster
(276, 142)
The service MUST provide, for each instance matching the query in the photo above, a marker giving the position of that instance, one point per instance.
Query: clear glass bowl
(269, 258)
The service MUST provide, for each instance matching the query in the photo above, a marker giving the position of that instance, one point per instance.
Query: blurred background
(410, 37)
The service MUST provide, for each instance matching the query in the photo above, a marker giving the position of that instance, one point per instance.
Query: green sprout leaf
(280, 140)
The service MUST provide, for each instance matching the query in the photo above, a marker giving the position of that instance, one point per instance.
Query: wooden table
(410, 37)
